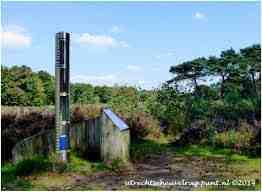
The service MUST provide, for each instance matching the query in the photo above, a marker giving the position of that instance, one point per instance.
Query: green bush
(200, 108)
(240, 109)
(29, 166)
(12, 174)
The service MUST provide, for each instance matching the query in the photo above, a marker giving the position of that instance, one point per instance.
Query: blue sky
(125, 43)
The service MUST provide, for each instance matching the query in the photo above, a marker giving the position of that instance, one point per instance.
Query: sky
(125, 43)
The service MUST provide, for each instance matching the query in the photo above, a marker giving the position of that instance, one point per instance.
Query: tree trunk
(254, 83)
(222, 88)
(196, 86)
(188, 112)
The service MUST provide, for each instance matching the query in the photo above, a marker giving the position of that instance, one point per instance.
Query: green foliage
(77, 164)
(20, 86)
(125, 100)
(116, 166)
(209, 151)
(33, 165)
(34, 91)
(207, 93)
(142, 148)
(49, 87)
(238, 97)
(239, 141)
(239, 109)
(104, 93)
(189, 70)
(83, 94)
(200, 108)
(170, 108)
(8, 173)
(11, 173)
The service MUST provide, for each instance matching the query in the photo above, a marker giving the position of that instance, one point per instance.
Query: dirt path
(155, 167)
(165, 167)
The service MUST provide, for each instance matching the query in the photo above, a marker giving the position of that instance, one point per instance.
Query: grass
(52, 173)
(222, 163)
(12, 175)
(240, 171)
(231, 166)
(208, 151)
(141, 148)
(77, 164)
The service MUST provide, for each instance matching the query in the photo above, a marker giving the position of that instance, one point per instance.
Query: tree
(170, 108)
(190, 70)
(224, 67)
(34, 91)
(251, 59)
(83, 93)
(10, 93)
(49, 87)
(20, 72)
(104, 93)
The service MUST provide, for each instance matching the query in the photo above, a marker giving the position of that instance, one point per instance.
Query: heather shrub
(17, 126)
(198, 130)
(238, 141)
(80, 112)
(77, 115)
(142, 124)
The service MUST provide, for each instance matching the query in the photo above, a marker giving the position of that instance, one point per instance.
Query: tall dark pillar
(62, 93)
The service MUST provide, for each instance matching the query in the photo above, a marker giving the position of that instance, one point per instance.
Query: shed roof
(115, 119)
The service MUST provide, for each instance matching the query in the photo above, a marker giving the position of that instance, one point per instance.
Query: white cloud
(14, 36)
(115, 79)
(200, 16)
(116, 29)
(14, 28)
(134, 68)
(95, 79)
(99, 40)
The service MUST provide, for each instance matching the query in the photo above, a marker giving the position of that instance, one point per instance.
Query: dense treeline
(225, 113)
(237, 92)
(21, 86)
(189, 108)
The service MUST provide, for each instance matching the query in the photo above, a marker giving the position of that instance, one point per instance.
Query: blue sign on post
(63, 142)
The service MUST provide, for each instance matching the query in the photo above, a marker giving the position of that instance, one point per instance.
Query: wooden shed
(105, 138)
(115, 137)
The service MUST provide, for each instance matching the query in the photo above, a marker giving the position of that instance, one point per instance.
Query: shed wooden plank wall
(41, 144)
(85, 137)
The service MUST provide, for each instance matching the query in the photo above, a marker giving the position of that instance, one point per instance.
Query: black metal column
(62, 93)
